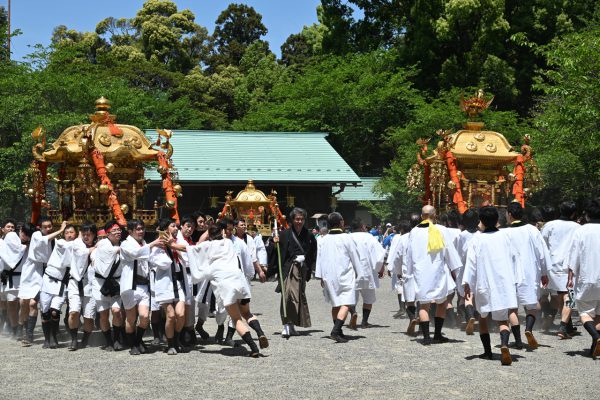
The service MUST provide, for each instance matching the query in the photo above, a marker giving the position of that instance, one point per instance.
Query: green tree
(356, 98)
(569, 118)
(170, 36)
(236, 28)
(4, 56)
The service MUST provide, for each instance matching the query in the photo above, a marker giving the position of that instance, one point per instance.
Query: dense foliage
(377, 75)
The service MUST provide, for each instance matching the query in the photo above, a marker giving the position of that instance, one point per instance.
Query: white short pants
(181, 296)
(499, 315)
(139, 296)
(368, 295)
(591, 308)
(108, 303)
(48, 301)
(154, 306)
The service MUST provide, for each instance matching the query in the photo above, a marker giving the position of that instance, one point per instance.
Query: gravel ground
(378, 361)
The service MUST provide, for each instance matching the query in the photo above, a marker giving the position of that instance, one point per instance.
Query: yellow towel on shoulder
(435, 240)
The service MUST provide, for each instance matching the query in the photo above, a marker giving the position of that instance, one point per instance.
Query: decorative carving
(491, 147)
(472, 146)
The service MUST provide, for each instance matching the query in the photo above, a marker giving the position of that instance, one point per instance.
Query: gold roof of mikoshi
(250, 196)
(114, 141)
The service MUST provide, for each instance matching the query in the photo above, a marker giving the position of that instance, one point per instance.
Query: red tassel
(114, 130)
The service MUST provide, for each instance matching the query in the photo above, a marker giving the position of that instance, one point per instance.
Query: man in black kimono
(298, 256)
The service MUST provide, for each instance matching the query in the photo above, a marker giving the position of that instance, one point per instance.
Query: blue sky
(37, 18)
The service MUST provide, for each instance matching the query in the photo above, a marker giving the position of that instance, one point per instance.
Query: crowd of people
(482, 267)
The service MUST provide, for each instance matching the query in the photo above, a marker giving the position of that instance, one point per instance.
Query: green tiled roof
(225, 156)
(359, 193)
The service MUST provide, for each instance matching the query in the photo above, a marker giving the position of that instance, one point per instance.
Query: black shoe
(84, 341)
(486, 356)
(203, 334)
(73, 345)
(134, 351)
(219, 334)
(117, 346)
(517, 345)
(229, 342)
(427, 341)
(440, 339)
(337, 336)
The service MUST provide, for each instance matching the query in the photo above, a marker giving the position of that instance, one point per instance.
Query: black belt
(141, 280)
(10, 278)
(63, 281)
(97, 275)
(79, 286)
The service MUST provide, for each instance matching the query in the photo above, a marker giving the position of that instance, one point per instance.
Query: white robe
(39, 252)
(462, 246)
(371, 255)
(338, 263)
(245, 257)
(261, 250)
(80, 263)
(58, 263)
(489, 271)
(13, 255)
(103, 259)
(533, 261)
(584, 261)
(132, 250)
(185, 263)
(558, 235)
(163, 286)
(431, 271)
(394, 259)
(217, 261)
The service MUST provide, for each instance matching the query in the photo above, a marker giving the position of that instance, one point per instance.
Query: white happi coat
(462, 246)
(558, 234)
(489, 271)
(261, 250)
(184, 260)
(431, 271)
(371, 255)
(584, 261)
(103, 259)
(58, 265)
(164, 291)
(39, 252)
(216, 261)
(245, 256)
(132, 250)
(80, 263)
(394, 259)
(533, 261)
(338, 263)
(13, 255)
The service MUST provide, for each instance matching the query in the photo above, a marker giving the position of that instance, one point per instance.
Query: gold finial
(102, 104)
